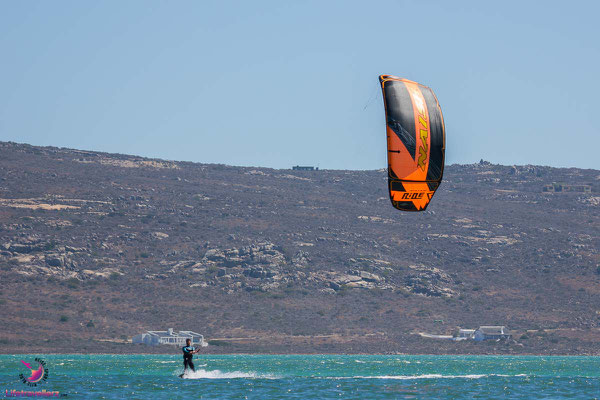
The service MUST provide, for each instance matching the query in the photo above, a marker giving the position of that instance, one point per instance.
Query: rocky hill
(96, 247)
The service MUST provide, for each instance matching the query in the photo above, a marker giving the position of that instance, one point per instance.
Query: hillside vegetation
(96, 247)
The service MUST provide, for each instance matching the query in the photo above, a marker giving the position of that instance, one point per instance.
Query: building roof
(173, 333)
(493, 330)
(188, 333)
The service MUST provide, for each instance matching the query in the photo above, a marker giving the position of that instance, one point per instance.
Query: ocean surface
(309, 377)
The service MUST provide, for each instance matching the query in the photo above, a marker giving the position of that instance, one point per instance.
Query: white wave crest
(368, 362)
(427, 376)
(431, 376)
(216, 374)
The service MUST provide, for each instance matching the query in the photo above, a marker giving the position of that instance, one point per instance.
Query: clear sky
(280, 83)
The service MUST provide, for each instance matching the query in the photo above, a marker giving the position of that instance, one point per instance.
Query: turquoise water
(312, 377)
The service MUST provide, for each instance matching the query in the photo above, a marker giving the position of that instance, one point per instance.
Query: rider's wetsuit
(187, 358)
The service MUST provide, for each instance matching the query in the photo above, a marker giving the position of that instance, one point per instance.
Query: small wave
(166, 362)
(431, 376)
(216, 374)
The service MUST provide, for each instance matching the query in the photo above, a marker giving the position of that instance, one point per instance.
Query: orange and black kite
(416, 140)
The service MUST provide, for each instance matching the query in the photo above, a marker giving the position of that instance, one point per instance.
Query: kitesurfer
(188, 354)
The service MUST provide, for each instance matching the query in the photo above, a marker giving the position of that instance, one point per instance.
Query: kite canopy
(416, 141)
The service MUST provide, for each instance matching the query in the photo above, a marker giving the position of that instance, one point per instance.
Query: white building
(491, 333)
(466, 333)
(154, 338)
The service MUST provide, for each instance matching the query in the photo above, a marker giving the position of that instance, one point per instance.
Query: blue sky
(280, 83)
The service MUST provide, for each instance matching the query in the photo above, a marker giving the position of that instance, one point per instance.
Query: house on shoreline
(464, 334)
(491, 333)
(479, 334)
(169, 336)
